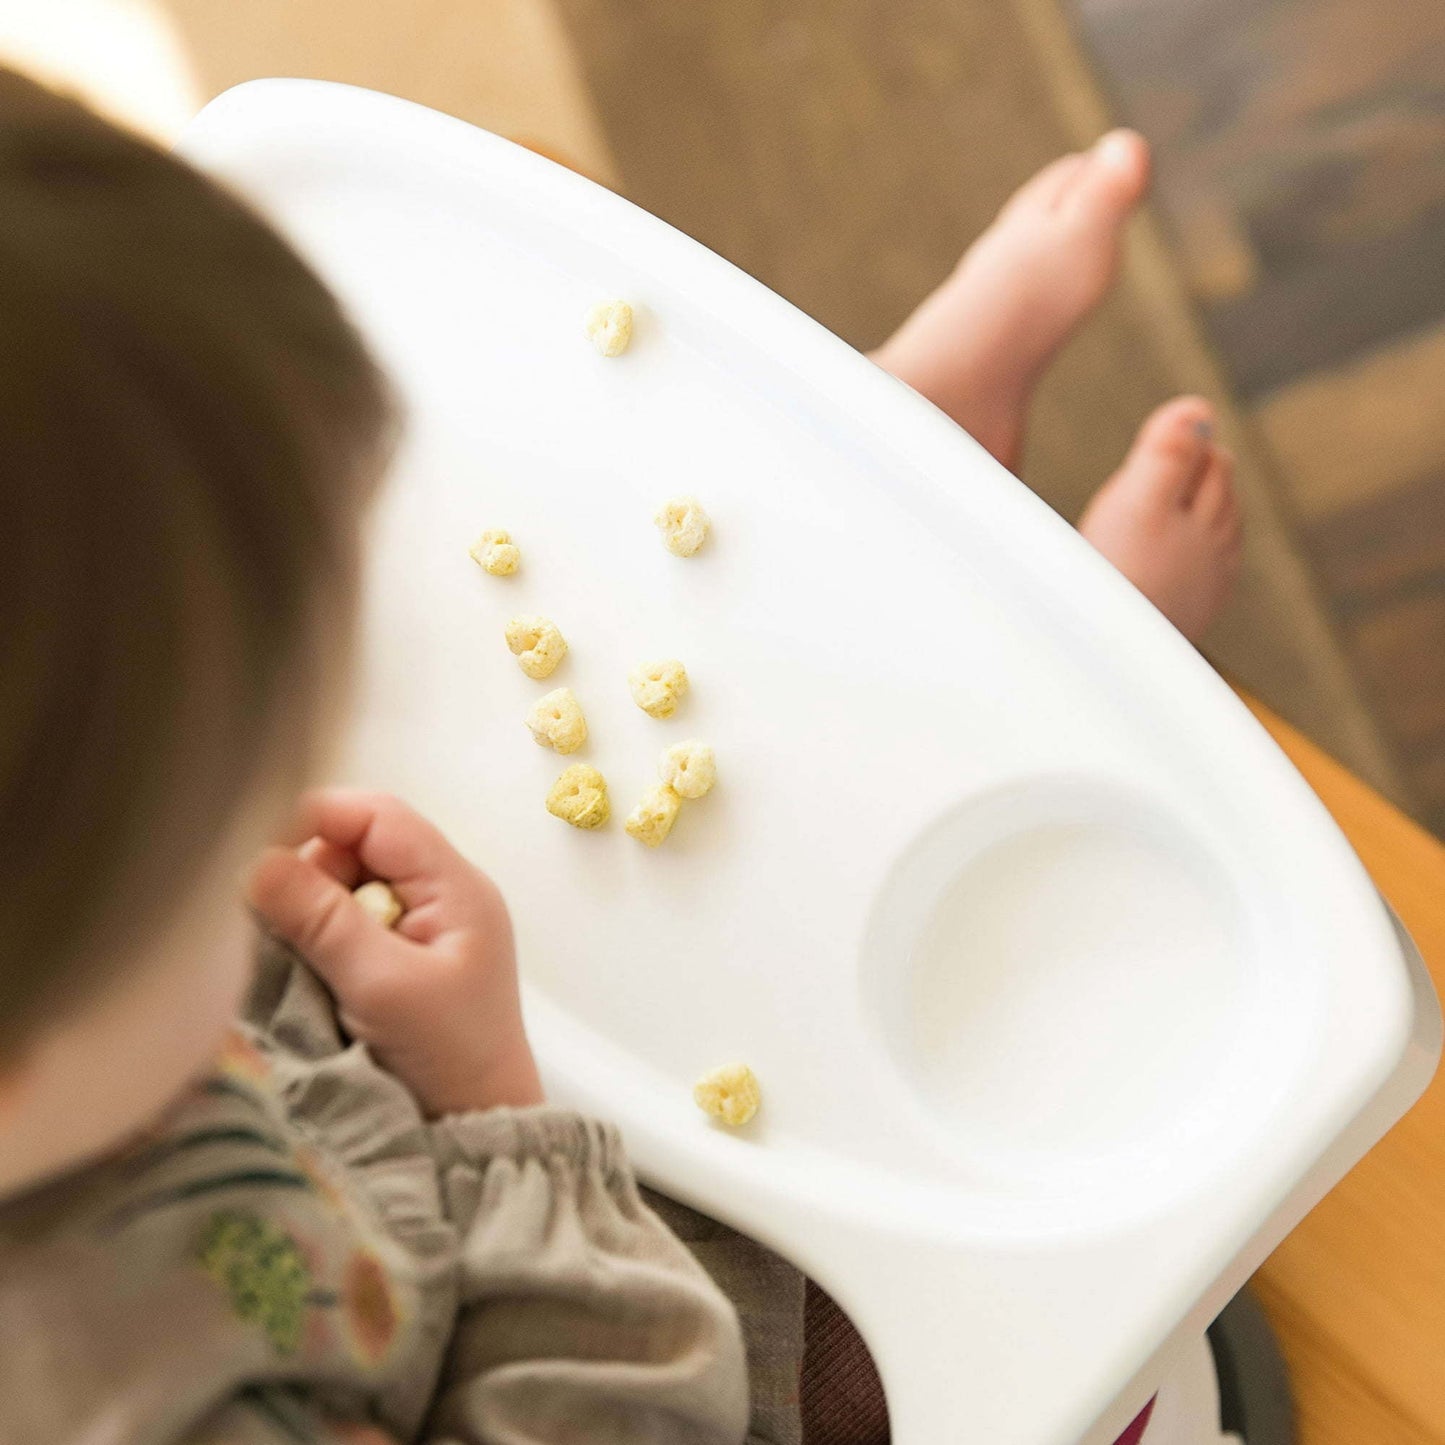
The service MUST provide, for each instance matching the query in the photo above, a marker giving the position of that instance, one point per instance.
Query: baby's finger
(305, 906)
(340, 864)
(391, 840)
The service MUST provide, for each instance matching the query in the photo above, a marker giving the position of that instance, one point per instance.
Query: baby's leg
(978, 345)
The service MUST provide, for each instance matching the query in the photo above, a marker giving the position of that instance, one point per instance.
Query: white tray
(1066, 996)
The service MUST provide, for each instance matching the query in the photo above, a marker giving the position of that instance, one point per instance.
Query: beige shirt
(296, 1255)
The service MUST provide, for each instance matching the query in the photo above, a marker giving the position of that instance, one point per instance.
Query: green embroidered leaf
(263, 1272)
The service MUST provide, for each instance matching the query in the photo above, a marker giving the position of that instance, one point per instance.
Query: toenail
(1116, 148)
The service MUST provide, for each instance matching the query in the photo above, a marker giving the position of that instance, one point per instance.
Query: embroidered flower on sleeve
(368, 1307)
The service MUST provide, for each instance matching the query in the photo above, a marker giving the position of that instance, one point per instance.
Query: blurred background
(845, 151)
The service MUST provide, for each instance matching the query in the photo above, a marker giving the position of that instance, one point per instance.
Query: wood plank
(1384, 552)
(1321, 124)
(1335, 1402)
(1383, 566)
(1348, 436)
(1357, 1292)
(1396, 634)
(1318, 308)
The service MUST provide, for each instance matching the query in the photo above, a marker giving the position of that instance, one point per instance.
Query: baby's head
(189, 428)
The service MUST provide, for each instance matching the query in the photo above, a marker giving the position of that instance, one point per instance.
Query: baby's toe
(1042, 192)
(1171, 453)
(1100, 193)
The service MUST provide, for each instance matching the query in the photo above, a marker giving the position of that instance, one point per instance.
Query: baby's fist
(434, 997)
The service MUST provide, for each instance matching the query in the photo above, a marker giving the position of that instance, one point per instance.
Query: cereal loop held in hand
(378, 899)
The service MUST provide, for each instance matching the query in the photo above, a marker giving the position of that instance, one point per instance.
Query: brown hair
(188, 426)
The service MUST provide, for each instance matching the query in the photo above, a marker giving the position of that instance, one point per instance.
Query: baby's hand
(436, 998)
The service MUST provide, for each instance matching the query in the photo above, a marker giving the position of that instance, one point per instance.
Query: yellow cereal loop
(689, 768)
(683, 524)
(608, 325)
(658, 687)
(537, 645)
(651, 820)
(579, 797)
(730, 1093)
(556, 721)
(495, 552)
(377, 899)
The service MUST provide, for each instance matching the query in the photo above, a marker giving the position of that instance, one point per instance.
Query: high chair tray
(1066, 997)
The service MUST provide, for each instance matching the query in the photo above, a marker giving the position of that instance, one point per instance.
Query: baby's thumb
(305, 906)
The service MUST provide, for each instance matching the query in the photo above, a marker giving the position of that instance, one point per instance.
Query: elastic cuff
(540, 1132)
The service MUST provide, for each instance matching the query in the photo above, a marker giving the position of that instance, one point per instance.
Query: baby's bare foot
(1169, 518)
(979, 344)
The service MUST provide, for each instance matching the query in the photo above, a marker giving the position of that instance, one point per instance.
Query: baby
(319, 1197)
(241, 1204)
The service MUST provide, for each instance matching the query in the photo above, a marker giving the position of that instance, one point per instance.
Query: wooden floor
(1301, 172)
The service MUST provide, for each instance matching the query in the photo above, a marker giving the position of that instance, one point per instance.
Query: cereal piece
(377, 899)
(579, 797)
(495, 552)
(652, 819)
(730, 1093)
(689, 768)
(556, 721)
(609, 327)
(658, 687)
(683, 524)
(538, 645)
